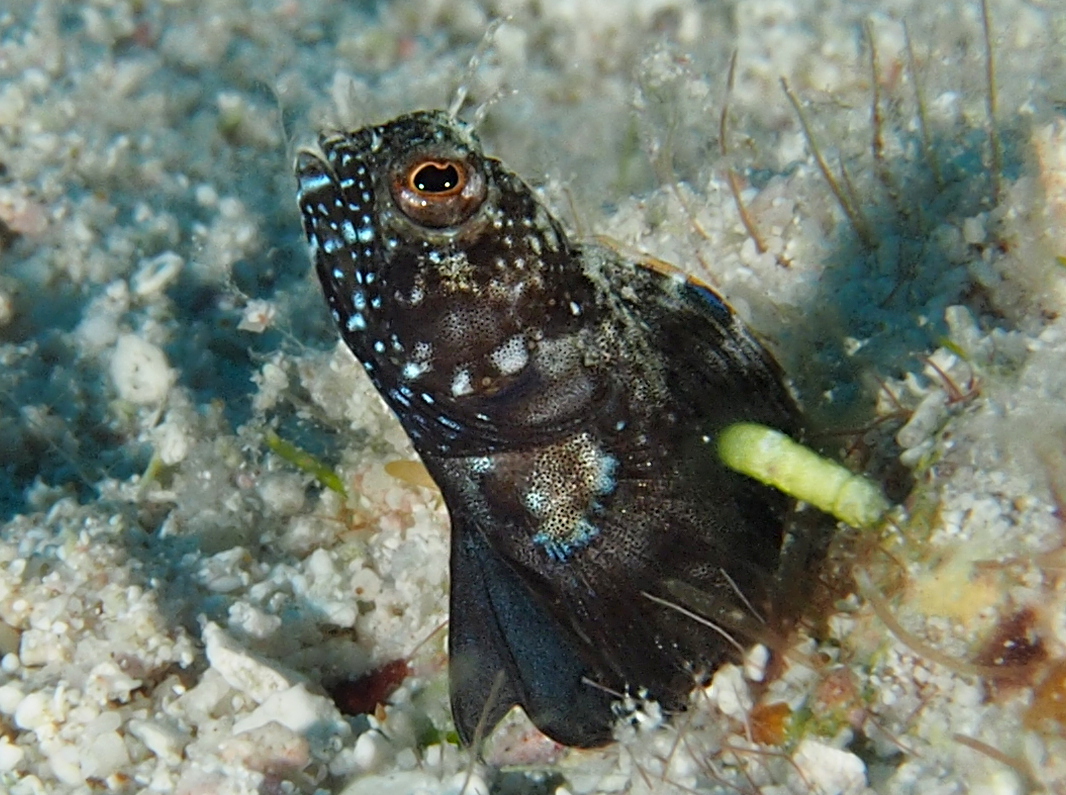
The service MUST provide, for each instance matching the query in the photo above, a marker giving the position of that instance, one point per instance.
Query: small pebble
(10, 755)
(140, 371)
(241, 669)
(730, 693)
(33, 711)
(829, 771)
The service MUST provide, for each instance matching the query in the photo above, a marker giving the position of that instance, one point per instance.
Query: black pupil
(431, 178)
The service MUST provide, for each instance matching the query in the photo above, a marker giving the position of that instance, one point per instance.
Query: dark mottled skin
(566, 400)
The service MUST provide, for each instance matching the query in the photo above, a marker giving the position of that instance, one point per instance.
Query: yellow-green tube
(773, 458)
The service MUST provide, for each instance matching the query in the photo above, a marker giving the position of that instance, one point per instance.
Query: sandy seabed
(175, 591)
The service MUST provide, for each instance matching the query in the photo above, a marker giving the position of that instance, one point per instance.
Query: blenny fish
(567, 401)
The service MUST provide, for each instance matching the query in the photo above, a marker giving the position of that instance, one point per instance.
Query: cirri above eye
(438, 191)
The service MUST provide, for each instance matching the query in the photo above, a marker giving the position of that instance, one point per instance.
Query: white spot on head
(461, 383)
(512, 356)
(536, 501)
(412, 370)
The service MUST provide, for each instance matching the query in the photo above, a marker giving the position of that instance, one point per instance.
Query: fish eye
(438, 192)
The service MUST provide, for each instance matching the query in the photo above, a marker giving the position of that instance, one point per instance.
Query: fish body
(567, 401)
